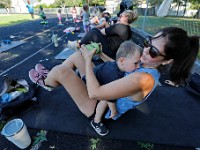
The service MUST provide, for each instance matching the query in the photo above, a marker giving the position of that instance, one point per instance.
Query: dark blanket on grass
(169, 116)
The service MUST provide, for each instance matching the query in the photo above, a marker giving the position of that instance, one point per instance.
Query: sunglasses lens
(153, 52)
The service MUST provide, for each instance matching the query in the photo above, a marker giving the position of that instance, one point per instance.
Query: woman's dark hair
(183, 49)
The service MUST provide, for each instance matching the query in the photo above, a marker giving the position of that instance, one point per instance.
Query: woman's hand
(87, 54)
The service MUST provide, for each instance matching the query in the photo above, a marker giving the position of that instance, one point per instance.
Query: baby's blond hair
(127, 48)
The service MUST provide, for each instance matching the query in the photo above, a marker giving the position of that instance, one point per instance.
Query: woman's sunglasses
(153, 51)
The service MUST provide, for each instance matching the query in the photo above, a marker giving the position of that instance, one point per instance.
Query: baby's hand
(100, 50)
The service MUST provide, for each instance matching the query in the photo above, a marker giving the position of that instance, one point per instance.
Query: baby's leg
(112, 107)
(97, 124)
(101, 107)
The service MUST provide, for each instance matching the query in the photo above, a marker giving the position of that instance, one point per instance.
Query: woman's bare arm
(137, 84)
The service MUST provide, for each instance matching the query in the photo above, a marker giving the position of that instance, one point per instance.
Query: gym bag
(16, 97)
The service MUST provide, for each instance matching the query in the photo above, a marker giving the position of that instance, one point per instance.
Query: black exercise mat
(169, 116)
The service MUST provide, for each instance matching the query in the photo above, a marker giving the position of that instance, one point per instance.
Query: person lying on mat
(127, 60)
(170, 45)
(110, 37)
(102, 23)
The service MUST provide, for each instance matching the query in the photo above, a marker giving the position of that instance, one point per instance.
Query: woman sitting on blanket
(110, 37)
(170, 45)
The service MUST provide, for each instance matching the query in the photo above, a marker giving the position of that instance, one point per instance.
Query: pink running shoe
(41, 69)
(38, 78)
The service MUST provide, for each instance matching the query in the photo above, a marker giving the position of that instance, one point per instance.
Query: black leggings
(95, 35)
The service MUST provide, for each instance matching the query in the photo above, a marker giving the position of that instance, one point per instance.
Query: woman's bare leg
(76, 61)
(74, 86)
(64, 75)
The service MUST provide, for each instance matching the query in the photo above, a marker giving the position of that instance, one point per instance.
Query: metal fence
(152, 24)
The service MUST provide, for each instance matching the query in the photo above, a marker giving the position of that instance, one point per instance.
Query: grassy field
(153, 24)
(12, 19)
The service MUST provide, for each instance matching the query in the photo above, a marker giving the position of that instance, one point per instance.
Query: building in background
(19, 6)
(111, 5)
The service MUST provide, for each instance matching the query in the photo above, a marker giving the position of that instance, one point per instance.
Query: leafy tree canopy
(195, 4)
(5, 3)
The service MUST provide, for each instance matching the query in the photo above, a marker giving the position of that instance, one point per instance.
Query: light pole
(145, 14)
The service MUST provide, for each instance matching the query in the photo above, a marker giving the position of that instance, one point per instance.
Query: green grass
(153, 24)
(12, 19)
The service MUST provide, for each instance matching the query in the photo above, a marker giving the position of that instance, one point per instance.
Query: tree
(67, 3)
(155, 2)
(5, 4)
(98, 2)
(195, 5)
(39, 1)
(185, 7)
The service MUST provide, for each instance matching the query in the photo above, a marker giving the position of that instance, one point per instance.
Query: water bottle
(15, 94)
(55, 39)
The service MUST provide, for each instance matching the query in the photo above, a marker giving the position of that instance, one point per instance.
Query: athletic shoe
(41, 69)
(73, 45)
(100, 128)
(42, 22)
(38, 78)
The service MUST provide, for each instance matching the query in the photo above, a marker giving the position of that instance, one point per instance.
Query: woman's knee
(61, 70)
(72, 60)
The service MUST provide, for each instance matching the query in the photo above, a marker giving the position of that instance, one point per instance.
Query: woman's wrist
(88, 62)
